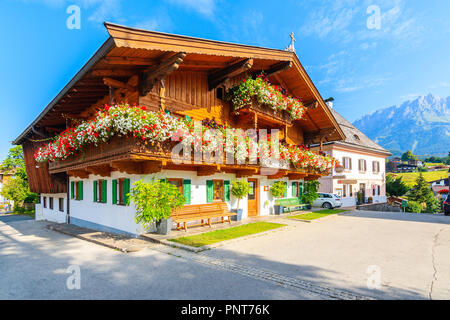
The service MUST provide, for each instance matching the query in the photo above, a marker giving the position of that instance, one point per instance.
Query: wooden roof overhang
(129, 52)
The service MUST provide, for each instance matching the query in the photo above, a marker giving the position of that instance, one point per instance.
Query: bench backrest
(288, 202)
(199, 209)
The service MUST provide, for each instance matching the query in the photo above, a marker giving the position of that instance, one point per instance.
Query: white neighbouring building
(362, 166)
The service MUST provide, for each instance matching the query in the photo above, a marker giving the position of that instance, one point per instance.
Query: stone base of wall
(378, 207)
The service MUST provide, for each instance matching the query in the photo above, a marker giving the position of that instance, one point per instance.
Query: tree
(395, 186)
(408, 155)
(311, 188)
(422, 193)
(154, 201)
(16, 188)
(239, 189)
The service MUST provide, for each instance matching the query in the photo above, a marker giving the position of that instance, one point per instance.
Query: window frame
(349, 167)
(178, 180)
(61, 204)
(50, 203)
(222, 190)
(362, 163)
(44, 202)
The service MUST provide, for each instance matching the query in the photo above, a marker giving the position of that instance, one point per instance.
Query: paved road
(34, 261)
(410, 252)
(318, 260)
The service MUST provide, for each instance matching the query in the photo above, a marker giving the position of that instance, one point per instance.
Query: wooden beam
(79, 173)
(117, 84)
(113, 72)
(167, 65)
(135, 61)
(137, 167)
(100, 170)
(310, 177)
(275, 68)
(246, 172)
(318, 136)
(207, 170)
(278, 175)
(218, 77)
(311, 104)
(296, 176)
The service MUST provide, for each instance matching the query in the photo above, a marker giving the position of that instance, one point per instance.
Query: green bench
(292, 204)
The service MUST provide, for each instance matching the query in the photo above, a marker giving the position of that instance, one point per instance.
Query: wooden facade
(186, 76)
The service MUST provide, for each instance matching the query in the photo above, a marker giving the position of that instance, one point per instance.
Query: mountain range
(421, 125)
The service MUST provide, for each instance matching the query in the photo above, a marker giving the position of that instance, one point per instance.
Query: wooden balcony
(130, 155)
(263, 115)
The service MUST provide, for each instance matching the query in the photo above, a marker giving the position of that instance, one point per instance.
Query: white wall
(54, 215)
(117, 218)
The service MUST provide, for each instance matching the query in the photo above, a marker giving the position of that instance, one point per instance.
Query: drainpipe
(68, 200)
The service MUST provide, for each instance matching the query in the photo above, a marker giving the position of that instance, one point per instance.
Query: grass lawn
(317, 214)
(410, 177)
(204, 239)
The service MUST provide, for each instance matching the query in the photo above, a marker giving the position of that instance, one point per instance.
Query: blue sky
(363, 68)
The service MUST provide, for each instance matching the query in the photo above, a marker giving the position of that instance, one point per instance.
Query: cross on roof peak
(291, 46)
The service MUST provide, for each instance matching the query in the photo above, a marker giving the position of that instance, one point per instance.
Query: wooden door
(253, 197)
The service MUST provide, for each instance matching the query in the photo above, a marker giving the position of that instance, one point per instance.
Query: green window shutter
(80, 190)
(72, 189)
(187, 191)
(104, 193)
(95, 190)
(209, 191)
(226, 190)
(114, 191)
(300, 185)
(294, 189)
(126, 190)
(285, 192)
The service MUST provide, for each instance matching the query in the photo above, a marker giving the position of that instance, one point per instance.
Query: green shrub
(413, 206)
(311, 188)
(239, 189)
(155, 201)
(278, 189)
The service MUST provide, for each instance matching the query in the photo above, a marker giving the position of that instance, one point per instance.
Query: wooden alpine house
(171, 78)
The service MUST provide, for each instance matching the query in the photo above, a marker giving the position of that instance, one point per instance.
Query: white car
(328, 201)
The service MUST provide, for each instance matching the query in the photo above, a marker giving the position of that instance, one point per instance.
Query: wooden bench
(203, 213)
(290, 204)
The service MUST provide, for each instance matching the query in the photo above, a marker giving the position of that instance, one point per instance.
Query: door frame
(256, 196)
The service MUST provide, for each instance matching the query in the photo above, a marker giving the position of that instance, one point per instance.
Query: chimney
(329, 102)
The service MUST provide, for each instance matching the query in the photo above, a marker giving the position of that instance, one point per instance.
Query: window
(76, 190)
(120, 190)
(100, 191)
(362, 165)
(375, 166)
(61, 204)
(344, 190)
(347, 163)
(218, 190)
(176, 182)
(44, 200)
(378, 189)
(50, 202)
(297, 189)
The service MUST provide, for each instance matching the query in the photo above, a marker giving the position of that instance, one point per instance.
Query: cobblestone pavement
(265, 275)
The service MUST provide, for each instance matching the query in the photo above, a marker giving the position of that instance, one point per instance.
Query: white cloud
(351, 84)
(204, 7)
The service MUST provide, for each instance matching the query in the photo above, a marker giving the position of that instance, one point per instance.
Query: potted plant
(278, 189)
(155, 201)
(310, 195)
(239, 189)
